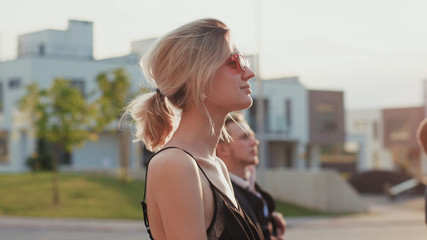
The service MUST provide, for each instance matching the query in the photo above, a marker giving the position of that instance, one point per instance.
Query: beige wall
(323, 190)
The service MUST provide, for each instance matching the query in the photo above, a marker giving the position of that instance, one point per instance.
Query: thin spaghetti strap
(144, 204)
(201, 169)
(146, 168)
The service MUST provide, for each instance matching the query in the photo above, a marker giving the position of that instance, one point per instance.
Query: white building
(365, 136)
(297, 123)
(46, 55)
(286, 127)
(42, 57)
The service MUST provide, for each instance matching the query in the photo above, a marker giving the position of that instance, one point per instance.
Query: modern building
(285, 119)
(42, 57)
(295, 119)
(400, 127)
(386, 139)
(326, 124)
(297, 122)
(365, 138)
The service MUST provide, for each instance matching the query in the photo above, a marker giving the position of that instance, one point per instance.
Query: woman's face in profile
(231, 89)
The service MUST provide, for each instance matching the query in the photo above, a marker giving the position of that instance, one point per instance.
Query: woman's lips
(247, 87)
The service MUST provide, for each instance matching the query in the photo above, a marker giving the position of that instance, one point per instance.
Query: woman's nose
(248, 74)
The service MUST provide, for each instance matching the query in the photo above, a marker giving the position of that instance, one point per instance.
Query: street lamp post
(260, 97)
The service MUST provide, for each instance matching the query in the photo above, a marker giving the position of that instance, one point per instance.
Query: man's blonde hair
(233, 117)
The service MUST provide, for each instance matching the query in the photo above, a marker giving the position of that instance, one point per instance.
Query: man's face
(244, 146)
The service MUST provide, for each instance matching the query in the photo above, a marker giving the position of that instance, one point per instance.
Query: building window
(14, 83)
(360, 124)
(66, 158)
(288, 112)
(4, 147)
(79, 84)
(398, 131)
(1, 97)
(375, 129)
(376, 160)
(41, 49)
(253, 115)
(327, 117)
(20, 49)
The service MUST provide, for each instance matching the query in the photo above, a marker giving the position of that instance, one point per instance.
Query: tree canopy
(60, 114)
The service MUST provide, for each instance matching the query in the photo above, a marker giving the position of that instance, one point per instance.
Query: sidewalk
(25, 228)
(386, 219)
(71, 224)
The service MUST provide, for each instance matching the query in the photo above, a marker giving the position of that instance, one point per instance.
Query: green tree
(114, 91)
(61, 116)
(42, 158)
(37, 114)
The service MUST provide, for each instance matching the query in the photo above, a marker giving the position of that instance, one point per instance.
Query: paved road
(386, 220)
(397, 220)
(17, 228)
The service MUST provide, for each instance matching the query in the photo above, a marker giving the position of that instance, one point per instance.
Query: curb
(71, 224)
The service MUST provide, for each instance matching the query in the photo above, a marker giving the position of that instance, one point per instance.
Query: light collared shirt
(239, 181)
(246, 185)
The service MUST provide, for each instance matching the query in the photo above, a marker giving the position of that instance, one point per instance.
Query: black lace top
(228, 222)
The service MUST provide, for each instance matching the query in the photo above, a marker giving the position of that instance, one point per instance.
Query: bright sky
(373, 50)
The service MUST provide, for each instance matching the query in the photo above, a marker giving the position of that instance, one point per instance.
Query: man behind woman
(241, 156)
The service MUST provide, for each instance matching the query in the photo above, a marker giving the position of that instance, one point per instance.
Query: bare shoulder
(175, 195)
(172, 170)
(172, 162)
(173, 174)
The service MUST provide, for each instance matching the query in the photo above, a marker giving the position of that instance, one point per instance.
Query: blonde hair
(422, 135)
(182, 65)
(233, 117)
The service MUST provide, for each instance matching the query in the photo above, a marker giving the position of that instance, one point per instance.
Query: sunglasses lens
(242, 62)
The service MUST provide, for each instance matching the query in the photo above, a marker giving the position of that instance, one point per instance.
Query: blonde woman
(200, 77)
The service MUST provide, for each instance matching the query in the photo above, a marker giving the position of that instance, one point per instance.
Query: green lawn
(84, 196)
(292, 210)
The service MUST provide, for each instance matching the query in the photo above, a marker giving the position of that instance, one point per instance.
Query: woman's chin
(246, 104)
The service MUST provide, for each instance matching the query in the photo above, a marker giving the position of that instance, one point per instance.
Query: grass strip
(85, 196)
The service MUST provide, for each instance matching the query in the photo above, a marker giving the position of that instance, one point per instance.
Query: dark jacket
(254, 207)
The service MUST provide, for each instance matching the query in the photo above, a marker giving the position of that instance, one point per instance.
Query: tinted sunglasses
(239, 60)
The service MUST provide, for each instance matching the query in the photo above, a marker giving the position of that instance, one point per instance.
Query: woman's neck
(194, 133)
